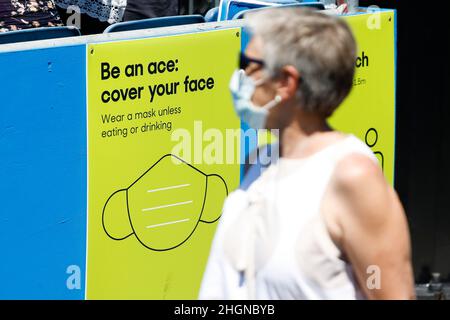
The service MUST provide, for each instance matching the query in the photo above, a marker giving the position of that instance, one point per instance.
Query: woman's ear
(288, 83)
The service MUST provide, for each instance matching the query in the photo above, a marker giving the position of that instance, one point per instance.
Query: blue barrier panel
(43, 174)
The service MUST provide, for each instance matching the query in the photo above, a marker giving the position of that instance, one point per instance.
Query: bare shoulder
(359, 183)
(372, 225)
(355, 171)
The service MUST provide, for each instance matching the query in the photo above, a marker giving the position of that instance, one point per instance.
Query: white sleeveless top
(272, 241)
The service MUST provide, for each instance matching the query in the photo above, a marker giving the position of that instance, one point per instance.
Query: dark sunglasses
(244, 61)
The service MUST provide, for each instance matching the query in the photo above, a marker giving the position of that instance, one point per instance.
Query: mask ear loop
(273, 103)
(110, 208)
(222, 180)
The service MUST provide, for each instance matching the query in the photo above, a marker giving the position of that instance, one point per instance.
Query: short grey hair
(321, 47)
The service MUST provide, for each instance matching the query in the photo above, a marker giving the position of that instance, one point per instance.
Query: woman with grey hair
(322, 222)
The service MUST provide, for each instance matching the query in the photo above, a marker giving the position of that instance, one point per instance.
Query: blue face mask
(242, 88)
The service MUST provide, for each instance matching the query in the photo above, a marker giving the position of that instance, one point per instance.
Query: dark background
(423, 139)
(200, 6)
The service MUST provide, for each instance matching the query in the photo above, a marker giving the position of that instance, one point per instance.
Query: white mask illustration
(163, 207)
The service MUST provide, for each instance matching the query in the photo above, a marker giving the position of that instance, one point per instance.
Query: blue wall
(42, 185)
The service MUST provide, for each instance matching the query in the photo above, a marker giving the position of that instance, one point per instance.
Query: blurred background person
(322, 222)
(143, 9)
(25, 14)
(97, 15)
(197, 6)
(94, 15)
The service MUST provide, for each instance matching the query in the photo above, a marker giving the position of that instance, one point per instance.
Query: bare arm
(373, 232)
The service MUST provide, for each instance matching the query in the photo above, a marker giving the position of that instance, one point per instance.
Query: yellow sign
(158, 114)
(369, 111)
(153, 205)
